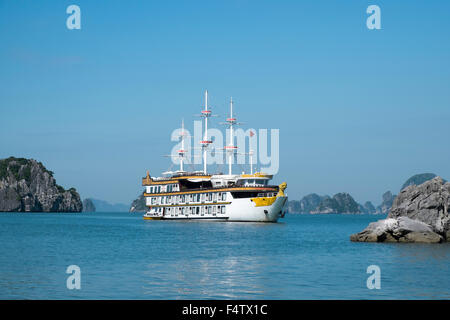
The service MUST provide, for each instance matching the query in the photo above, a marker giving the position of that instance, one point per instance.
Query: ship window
(197, 210)
(222, 209)
(209, 209)
(209, 196)
(224, 196)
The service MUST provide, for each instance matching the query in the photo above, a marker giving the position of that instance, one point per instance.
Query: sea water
(122, 256)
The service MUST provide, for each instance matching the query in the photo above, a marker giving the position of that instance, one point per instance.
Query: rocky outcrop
(307, 204)
(367, 208)
(138, 205)
(419, 214)
(388, 197)
(386, 204)
(88, 205)
(27, 186)
(402, 229)
(340, 203)
(418, 179)
(428, 202)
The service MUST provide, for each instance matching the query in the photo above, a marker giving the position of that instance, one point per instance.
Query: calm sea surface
(122, 256)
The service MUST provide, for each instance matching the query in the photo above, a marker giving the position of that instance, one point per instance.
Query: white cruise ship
(199, 195)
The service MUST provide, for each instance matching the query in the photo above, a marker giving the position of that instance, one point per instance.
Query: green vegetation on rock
(418, 179)
(26, 185)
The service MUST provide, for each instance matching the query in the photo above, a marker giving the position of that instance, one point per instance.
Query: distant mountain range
(95, 205)
(312, 203)
(344, 202)
(339, 203)
(26, 185)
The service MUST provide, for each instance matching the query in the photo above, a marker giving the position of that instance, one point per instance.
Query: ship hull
(245, 210)
(239, 210)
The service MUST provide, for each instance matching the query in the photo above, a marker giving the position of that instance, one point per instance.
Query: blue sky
(358, 110)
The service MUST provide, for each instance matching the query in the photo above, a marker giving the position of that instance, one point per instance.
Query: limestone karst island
(420, 213)
(27, 186)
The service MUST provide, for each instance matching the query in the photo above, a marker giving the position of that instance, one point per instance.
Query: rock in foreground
(419, 214)
(402, 229)
(26, 185)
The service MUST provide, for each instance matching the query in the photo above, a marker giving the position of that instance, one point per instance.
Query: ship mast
(205, 142)
(251, 161)
(231, 148)
(182, 151)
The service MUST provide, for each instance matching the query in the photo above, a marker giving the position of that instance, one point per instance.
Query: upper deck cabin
(197, 181)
